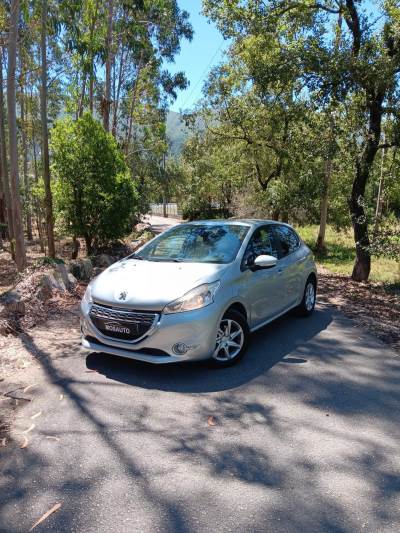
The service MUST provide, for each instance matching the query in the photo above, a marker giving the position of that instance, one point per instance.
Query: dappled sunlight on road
(305, 437)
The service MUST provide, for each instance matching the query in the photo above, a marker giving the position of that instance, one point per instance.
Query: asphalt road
(306, 438)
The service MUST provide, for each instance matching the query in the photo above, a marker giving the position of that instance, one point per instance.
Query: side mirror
(265, 261)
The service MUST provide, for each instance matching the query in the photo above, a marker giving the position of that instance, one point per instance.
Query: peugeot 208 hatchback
(197, 291)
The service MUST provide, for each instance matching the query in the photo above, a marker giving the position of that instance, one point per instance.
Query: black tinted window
(287, 239)
(261, 243)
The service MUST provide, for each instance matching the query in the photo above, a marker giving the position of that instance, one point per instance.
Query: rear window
(287, 239)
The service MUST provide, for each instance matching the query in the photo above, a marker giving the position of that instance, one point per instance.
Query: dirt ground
(371, 305)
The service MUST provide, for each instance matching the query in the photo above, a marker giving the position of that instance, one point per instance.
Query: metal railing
(168, 209)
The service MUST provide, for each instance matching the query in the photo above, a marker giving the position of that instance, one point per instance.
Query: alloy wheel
(230, 339)
(310, 296)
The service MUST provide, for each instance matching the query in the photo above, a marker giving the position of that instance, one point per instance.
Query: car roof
(239, 221)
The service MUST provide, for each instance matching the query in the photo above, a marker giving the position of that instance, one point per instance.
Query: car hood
(151, 285)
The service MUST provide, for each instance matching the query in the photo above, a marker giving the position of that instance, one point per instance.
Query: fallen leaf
(50, 437)
(24, 443)
(29, 428)
(29, 387)
(211, 421)
(36, 415)
(46, 515)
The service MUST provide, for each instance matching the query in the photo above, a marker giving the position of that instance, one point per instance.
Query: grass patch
(341, 254)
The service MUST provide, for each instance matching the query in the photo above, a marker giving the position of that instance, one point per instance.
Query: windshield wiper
(136, 257)
(164, 260)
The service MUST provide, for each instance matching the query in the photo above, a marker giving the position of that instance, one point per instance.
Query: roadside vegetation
(298, 123)
(340, 254)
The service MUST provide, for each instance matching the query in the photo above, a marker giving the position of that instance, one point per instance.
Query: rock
(142, 226)
(104, 260)
(4, 327)
(87, 268)
(138, 243)
(72, 281)
(81, 269)
(97, 271)
(62, 271)
(60, 285)
(49, 283)
(13, 303)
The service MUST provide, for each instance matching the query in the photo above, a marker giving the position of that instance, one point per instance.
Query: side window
(261, 243)
(287, 239)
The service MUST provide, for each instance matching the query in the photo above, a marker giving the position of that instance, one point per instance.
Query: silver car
(197, 291)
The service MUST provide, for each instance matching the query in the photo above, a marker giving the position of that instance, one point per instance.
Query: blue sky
(198, 57)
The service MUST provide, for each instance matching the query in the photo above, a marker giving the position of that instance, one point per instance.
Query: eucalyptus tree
(365, 66)
(4, 177)
(20, 253)
(45, 134)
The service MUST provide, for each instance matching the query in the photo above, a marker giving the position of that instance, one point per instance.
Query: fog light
(180, 348)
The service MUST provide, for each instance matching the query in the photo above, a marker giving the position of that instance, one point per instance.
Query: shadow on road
(307, 441)
(268, 347)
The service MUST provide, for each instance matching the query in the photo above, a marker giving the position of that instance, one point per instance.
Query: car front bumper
(196, 329)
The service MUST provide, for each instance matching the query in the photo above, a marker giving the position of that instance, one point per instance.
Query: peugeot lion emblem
(122, 295)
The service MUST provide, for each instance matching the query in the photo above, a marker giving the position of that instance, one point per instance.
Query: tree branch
(301, 5)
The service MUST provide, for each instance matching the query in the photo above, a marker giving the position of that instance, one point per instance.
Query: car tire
(307, 304)
(233, 328)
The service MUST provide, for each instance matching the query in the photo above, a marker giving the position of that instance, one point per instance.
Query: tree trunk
(91, 71)
(320, 246)
(109, 44)
(116, 102)
(3, 166)
(81, 103)
(378, 210)
(76, 246)
(20, 254)
(27, 194)
(91, 85)
(2, 214)
(45, 136)
(133, 102)
(362, 265)
(89, 244)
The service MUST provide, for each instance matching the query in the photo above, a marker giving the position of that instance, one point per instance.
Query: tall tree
(109, 54)
(45, 134)
(366, 67)
(23, 128)
(20, 254)
(4, 166)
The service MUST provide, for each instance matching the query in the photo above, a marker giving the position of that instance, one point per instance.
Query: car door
(289, 264)
(261, 288)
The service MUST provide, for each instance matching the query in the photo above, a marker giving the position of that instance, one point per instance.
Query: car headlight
(87, 298)
(197, 298)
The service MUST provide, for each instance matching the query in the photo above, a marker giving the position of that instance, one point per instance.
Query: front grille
(121, 324)
(147, 351)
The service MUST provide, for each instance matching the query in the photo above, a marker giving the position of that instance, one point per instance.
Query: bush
(94, 195)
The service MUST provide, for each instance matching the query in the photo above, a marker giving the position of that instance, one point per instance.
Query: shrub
(94, 195)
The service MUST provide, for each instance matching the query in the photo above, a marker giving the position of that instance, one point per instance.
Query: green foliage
(385, 240)
(49, 261)
(340, 255)
(95, 197)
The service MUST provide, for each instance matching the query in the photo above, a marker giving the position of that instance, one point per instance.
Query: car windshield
(197, 243)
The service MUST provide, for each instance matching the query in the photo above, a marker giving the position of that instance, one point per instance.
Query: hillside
(177, 132)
